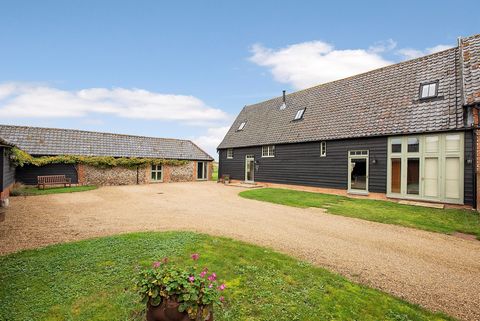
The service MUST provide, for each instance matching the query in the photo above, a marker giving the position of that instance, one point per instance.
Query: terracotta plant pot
(168, 311)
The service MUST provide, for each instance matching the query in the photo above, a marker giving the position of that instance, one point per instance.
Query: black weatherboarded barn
(405, 130)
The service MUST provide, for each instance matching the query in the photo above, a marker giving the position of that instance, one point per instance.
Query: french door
(249, 168)
(358, 171)
(428, 167)
(202, 170)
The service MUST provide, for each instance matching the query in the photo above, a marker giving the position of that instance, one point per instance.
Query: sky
(184, 69)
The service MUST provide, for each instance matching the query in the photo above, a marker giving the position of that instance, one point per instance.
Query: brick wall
(89, 175)
(4, 196)
(476, 118)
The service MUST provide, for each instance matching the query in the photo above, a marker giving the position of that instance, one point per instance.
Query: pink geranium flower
(195, 256)
(191, 278)
(222, 287)
(212, 277)
(210, 286)
(203, 273)
(156, 264)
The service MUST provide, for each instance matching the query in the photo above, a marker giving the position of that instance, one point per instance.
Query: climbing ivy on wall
(21, 158)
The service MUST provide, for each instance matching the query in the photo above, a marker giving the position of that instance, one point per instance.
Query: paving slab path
(439, 272)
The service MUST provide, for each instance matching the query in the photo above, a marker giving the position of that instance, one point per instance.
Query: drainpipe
(137, 176)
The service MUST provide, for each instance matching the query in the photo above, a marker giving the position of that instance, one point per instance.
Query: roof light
(429, 90)
(242, 125)
(299, 114)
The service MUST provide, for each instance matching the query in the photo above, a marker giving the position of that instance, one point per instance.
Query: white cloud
(410, 53)
(19, 100)
(210, 141)
(310, 63)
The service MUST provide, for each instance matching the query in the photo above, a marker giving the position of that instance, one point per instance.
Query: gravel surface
(437, 271)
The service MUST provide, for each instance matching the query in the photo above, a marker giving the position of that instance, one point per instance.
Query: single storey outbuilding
(408, 131)
(194, 163)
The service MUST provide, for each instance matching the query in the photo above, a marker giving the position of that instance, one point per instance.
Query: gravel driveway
(437, 271)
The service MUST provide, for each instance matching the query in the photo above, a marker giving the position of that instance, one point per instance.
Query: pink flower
(212, 277)
(191, 278)
(203, 273)
(222, 287)
(222, 299)
(195, 256)
(156, 264)
(210, 286)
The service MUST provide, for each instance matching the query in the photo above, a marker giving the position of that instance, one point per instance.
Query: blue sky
(184, 69)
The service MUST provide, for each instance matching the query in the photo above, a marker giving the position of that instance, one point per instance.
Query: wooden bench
(54, 180)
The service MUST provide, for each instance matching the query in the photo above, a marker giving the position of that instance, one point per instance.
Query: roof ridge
(95, 132)
(361, 74)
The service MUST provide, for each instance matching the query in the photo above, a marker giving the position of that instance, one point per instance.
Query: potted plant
(172, 293)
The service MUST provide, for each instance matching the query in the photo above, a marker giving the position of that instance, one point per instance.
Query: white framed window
(242, 125)
(230, 153)
(429, 90)
(157, 173)
(427, 167)
(323, 149)
(299, 114)
(268, 151)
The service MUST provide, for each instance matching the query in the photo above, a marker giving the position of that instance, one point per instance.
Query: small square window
(230, 153)
(242, 125)
(429, 90)
(396, 145)
(323, 149)
(413, 145)
(268, 151)
(299, 114)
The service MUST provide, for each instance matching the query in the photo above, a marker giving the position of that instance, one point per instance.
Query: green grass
(215, 172)
(93, 280)
(430, 219)
(29, 191)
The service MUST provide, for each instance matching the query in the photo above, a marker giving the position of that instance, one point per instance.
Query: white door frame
(252, 158)
(357, 154)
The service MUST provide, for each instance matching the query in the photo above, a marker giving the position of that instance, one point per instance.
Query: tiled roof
(471, 70)
(3, 142)
(381, 102)
(53, 141)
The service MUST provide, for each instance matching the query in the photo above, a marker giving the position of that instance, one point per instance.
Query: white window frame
(242, 125)
(299, 114)
(204, 170)
(323, 149)
(156, 169)
(230, 153)
(441, 154)
(431, 92)
(268, 151)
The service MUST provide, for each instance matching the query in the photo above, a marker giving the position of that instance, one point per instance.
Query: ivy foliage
(21, 158)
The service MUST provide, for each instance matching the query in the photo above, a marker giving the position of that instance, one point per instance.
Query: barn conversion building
(193, 163)
(407, 131)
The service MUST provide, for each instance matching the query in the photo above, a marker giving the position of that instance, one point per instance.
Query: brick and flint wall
(90, 175)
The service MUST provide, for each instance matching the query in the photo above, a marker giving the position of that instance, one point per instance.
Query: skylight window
(429, 90)
(242, 125)
(299, 114)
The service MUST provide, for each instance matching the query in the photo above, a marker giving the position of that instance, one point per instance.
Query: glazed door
(249, 168)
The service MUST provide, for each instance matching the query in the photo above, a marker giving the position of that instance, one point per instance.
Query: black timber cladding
(301, 164)
(7, 175)
(28, 174)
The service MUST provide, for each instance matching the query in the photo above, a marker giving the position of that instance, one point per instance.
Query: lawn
(215, 171)
(430, 219)
(93, 280)
(28, 191)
